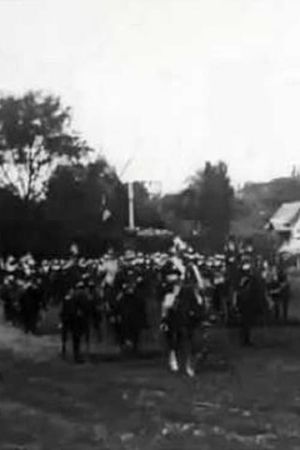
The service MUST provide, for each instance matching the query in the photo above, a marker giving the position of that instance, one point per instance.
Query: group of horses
(115, 307)
(125, 306)
(175, 300)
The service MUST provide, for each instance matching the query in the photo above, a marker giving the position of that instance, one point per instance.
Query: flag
(105, 212)
(74, 250)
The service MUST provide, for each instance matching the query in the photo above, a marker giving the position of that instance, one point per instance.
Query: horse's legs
(277, 309)
(245, 330)
(187, 343)
(189, 367)
(76, 345)
(173, 361)
(172, 340)
(87, 339)
(285, 307)
(119, 335)
(64, 338)
(225, 308)
(97, 327)
(136, 340)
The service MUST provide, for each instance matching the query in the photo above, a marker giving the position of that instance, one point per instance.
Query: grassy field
(240, 398)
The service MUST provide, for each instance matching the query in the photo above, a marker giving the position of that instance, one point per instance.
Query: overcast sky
(171, 82)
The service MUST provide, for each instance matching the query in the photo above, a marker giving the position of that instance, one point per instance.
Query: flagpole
(131, 205)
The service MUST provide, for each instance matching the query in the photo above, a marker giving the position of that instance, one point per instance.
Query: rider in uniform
(251, 301)
(232, 275)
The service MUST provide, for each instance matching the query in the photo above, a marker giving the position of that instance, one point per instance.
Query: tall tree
(77, 198)
(35, 136)
(146, 207)
(203, 209)
(212, 199)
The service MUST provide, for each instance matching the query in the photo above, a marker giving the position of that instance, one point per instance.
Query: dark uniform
(75, 317)
(285, 294)
(251, 303)
(232, 277)
(274, 290)
(30, 305)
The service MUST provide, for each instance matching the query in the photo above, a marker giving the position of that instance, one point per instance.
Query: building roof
(285, 217)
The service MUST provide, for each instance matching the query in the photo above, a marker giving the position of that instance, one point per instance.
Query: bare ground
(240, 399)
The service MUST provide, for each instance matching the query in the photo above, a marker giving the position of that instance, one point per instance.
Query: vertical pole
(131, 205)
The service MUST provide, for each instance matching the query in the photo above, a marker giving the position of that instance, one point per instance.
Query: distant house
(285, 218)
(285, 223)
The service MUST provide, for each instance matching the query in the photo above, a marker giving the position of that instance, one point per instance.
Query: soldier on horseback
(76, 316)
(232, 277)
(182, 311)
(251, 301)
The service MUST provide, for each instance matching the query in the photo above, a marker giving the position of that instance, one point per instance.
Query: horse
(77, 317)
(252, 303)
(183, 310)
(278, 289)
(125, 310)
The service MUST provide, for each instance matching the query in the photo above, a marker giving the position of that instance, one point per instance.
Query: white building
(286, 224)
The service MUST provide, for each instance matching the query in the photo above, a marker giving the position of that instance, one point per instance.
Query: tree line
(54, 191)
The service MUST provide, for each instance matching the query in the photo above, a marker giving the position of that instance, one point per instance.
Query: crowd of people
(187, 288)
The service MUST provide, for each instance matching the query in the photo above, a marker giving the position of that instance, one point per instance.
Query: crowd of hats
(53, 278)
(27, 270)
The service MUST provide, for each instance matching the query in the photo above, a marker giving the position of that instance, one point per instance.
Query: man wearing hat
(30, 305)
(75, 316)
(251, 301)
